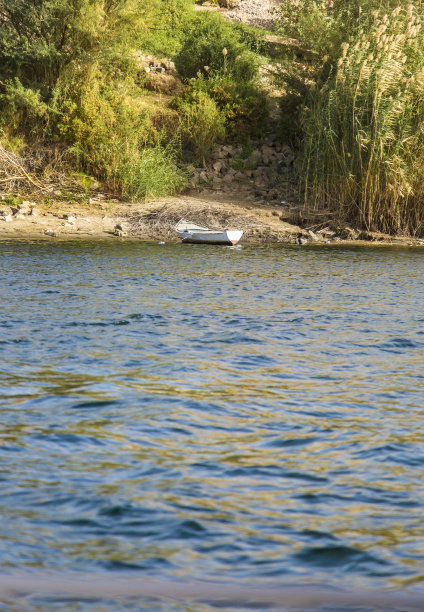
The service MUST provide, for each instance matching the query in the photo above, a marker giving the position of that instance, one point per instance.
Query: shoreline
(155, 220)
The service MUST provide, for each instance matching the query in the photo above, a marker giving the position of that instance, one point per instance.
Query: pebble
(257, 13)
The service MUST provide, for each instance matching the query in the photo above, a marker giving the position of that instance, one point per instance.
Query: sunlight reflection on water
(203, 412)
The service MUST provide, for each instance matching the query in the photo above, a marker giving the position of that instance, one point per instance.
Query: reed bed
(363, 128)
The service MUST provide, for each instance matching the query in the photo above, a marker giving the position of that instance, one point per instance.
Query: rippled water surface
(210, 413)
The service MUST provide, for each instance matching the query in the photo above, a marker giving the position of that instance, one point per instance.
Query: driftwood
(160, 221)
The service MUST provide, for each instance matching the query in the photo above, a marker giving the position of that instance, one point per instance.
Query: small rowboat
(190, 232)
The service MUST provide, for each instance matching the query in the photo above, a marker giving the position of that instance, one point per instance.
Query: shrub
(206, 36)
(151, 172)
(217, 108)
(202, 124)
(24, 107)
(245, 105)
(251, 37)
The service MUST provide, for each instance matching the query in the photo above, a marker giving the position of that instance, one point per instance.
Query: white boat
(190, 232)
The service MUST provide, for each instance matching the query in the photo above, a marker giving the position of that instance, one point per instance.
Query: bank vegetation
(73, 84)
(77, 105)
(357, 112)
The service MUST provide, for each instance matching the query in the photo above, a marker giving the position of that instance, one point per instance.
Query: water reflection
(213, 412)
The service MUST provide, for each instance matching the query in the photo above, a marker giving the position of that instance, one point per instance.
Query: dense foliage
(360, 111)
(70, 72)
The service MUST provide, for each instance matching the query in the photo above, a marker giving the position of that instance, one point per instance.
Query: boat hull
(229, 237)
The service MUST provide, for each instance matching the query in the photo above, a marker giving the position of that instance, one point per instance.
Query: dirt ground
(155, 221)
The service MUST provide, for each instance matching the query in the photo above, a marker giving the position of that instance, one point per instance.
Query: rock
(117, 232)
(230, 4)
(6, 218)
(347, 233)
(20, 216)
(50, 232)
(326, 232)
(121, 229)
(260, 182)
(227, 179)
(256, 155)
(25, 208)
(287, 154)
(268, 154)
(313, 235)
(274, 195)
(71, 220)
(282, 168)
(219, 154)
(217, 167)
(228, 151)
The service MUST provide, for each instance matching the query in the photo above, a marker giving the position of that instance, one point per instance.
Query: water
(189, 413)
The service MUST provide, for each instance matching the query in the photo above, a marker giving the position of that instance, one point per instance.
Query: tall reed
(363, 128)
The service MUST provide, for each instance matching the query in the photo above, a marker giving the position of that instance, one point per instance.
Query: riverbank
(112, 219)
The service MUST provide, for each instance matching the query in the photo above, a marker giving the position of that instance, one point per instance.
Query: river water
(191, 413)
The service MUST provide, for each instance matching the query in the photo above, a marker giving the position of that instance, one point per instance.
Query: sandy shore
(155, 220)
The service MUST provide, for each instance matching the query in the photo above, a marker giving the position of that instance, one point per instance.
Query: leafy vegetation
(71, 78)
(70, 73)
(206, 36)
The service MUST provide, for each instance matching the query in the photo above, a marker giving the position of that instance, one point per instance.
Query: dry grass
(35, 170)
(158, 219)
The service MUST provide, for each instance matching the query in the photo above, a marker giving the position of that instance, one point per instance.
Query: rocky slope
(258, 13)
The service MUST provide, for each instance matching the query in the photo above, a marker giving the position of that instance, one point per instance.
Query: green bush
(245, 105)
(112, 136)
(24, 108)
(151, 172)
(251, 37)
(167, 24)
(202, 124)
(69, 73)
(212, 42)
(215, 109)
